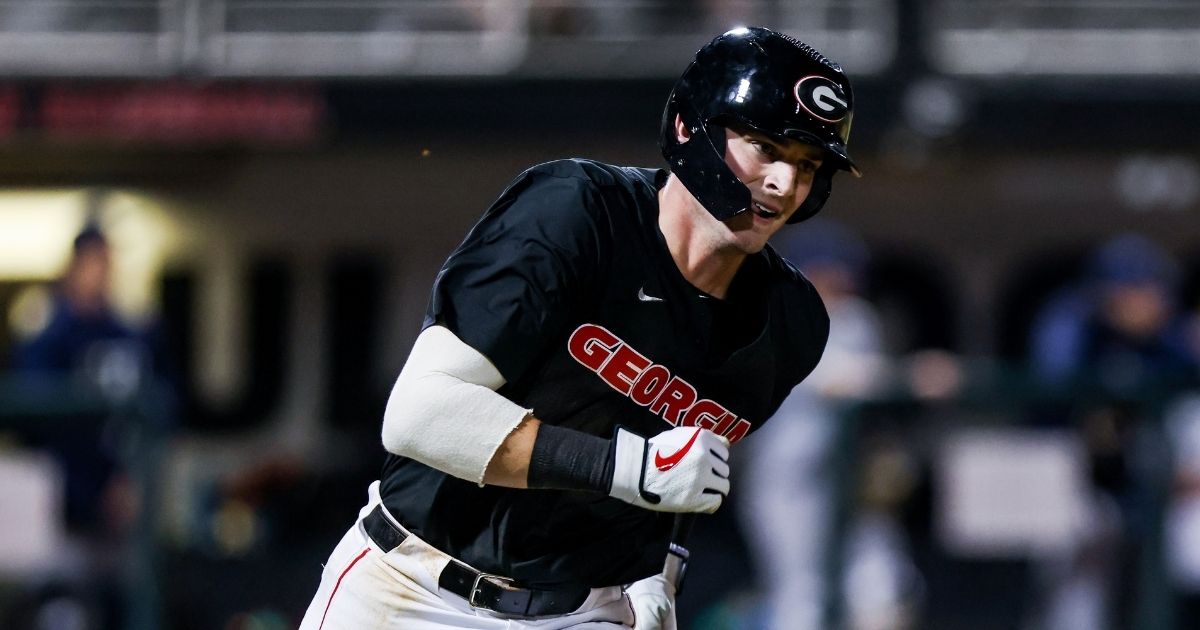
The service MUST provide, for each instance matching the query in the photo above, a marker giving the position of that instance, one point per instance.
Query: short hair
(1133, 259)
(89, 236)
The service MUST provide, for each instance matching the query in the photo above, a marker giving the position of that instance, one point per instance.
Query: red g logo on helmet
(822, 98)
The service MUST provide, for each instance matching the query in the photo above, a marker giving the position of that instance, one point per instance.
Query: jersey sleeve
(807, 333)
(522, 270)
(812, 330)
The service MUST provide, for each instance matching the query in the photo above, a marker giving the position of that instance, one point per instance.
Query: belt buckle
(475, 587)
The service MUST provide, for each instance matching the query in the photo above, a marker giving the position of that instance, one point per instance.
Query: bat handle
(675, 566)
(682, 528)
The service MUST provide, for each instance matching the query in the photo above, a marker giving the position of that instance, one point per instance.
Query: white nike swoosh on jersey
(647, 298)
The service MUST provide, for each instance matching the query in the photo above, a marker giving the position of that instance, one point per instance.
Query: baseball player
(590, 352)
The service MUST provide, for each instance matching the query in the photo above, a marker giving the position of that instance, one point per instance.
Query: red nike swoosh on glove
(667, 463)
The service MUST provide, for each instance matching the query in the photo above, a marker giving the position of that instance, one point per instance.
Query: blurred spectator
(1121, 326)
(1120, 329)
(790, 487)
(1181, 547)
(84, 341)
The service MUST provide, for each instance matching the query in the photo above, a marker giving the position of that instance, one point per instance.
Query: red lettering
(724, 422)
(704, 414)
(650, 384)
(591, 345)
(622, 368)
(739, 431)
(674, 400)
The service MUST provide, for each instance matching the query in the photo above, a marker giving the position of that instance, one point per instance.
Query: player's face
(779, 174)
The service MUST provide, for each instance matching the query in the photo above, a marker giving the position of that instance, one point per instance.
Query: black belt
(482, 590)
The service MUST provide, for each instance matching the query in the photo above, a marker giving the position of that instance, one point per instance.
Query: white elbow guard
(444, 411)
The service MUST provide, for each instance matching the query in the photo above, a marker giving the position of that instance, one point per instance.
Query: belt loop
(381, 530)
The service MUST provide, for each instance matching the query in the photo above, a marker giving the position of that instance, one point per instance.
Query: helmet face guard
(769, 82)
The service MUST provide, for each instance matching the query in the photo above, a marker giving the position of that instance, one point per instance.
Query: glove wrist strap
(629, 451)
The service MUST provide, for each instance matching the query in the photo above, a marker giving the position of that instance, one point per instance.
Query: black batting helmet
(771, 83)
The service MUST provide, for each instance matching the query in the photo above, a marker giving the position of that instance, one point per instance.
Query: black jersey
(567, 286)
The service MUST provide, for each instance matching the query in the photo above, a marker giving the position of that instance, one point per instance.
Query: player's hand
(653, 600)
(685, 469)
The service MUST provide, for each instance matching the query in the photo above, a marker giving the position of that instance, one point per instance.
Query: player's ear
(682, 134)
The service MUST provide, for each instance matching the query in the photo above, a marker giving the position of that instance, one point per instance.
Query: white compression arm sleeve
(444, 411)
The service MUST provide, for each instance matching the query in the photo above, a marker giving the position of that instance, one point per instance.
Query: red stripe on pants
(339, 583)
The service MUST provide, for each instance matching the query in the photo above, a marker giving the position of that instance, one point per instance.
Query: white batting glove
(685, 469)
(653, 600)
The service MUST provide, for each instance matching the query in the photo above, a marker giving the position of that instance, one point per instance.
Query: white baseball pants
(364, 588)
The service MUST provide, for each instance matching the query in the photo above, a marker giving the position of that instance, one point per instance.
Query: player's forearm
(688, 473)
(444, 412)
(510, 465)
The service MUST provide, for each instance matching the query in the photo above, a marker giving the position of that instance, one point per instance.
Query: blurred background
(220, 219)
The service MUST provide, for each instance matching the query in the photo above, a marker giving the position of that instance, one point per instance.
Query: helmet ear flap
(818, 194)
(667, 126)
(716, 135)
(695, 124)
(699, 163)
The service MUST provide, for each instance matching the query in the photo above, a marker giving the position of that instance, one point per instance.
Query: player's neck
(694, 245)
